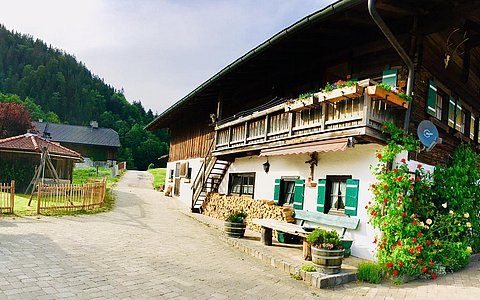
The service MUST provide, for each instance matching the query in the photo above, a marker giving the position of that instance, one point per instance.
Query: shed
(20, 156)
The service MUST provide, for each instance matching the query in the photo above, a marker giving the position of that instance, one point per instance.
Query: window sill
(438, 123)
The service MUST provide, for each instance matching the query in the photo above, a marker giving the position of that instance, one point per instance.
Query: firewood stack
(220, 206)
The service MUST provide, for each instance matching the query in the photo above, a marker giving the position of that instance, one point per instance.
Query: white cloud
(158, 51)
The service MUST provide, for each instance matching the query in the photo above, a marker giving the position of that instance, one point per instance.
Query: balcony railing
(276, 123)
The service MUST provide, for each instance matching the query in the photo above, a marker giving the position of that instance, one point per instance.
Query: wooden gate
(7, 197)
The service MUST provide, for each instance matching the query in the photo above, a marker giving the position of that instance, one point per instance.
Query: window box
(301, 103)
(340, 94)
(387, 96)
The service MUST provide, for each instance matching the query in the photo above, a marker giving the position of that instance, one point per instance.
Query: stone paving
(146, 248)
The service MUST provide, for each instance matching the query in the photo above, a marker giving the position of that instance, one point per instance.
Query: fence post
(83, 193)
(39, 196)
(12, 195)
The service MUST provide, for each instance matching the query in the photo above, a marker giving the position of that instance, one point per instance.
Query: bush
(369, 272)
(236, 217)
(308, 268)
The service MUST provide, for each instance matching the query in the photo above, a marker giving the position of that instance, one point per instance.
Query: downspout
(408, 61)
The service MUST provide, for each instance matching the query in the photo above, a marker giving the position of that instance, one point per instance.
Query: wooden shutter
(390, 77)
(351, 199)
(451, 112)
(298, 193)
(321, 194)
(276, 191)
(431, 98)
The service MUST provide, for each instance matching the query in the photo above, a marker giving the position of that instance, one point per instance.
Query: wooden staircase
(211, 174)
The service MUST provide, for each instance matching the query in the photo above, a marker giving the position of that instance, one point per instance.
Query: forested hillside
(54, 86)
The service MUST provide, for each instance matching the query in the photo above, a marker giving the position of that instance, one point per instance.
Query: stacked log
(220, 206)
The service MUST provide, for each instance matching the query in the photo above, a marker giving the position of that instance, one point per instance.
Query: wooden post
(12, 195)
(266, 237)
(39, 196)
(266, 128)
(366, 108)
(324, 116)
(290, 124)
(307, 250)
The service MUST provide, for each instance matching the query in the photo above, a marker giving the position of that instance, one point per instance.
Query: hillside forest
(53, 86)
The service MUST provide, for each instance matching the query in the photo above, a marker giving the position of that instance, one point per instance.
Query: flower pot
(387, 96)
(301, 104)
(347, 247)
(233, 229)
(327, 261)
(348, 92)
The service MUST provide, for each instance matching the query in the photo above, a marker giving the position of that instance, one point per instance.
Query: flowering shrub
(322, 238)
(419, 236)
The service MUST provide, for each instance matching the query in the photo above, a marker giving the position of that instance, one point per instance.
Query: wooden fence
(7, 197)
(71, 196)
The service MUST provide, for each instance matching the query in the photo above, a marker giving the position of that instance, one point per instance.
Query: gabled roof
(33, 143)
(74, 134)
(286, 61)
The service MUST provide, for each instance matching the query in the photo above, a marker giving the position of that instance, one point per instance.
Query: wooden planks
(71, 196)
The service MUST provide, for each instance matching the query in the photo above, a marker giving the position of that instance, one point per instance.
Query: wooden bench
(268, 225)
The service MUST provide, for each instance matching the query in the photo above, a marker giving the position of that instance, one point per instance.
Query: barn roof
(33, 143)
(74, 134)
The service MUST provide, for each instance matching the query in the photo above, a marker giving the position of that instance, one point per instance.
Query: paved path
(147, 249)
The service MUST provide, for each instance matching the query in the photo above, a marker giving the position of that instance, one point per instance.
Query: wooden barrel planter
(233, 229)
(327, 261)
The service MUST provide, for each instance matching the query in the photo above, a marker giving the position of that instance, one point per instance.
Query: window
(456, 115)
(287, 190)
(336, 193)
(177, 170)
(438, 106)
(170, 177)
(242, 183)
(472, 126)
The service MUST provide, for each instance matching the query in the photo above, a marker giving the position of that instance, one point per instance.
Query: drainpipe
(408, 61)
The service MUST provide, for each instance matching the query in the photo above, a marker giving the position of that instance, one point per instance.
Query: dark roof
(330, 34)
(33, 143)
(74, 134)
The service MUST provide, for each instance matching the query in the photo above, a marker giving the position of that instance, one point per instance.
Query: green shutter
(276, 191)
(321, 192)
(390, 77)
(298, 193)
(351, 201)
(431, 98)
(451, 112)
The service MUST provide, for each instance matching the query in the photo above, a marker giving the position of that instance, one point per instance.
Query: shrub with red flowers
(413, 227)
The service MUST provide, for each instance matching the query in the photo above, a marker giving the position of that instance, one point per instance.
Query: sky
(157, 51)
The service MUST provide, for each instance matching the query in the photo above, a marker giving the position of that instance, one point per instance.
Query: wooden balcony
(360, 117)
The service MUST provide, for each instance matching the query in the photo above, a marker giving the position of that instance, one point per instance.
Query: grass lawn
(158, 177)
(79, 176)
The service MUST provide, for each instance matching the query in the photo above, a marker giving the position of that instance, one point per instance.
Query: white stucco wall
(185, 187)
(353, 161)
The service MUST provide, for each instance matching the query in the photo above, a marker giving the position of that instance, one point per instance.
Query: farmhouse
(93, 142)
(273, 125)
(20, 156)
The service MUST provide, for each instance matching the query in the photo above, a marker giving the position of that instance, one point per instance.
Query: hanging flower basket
(339, 94)
(387, 96)
(301, 103)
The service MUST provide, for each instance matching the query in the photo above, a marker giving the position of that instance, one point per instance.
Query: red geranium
(414, 222)
(419, 234)
(414, 240)
(395, 272)
(434, 276)
(389, 265)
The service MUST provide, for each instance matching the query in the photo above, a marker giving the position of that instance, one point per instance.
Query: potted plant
(340, 90)
(386, 93)
(304, 101)
(235, 224)
(327, 250)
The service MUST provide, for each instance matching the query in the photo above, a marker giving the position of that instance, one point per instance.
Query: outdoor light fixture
(266, 166)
